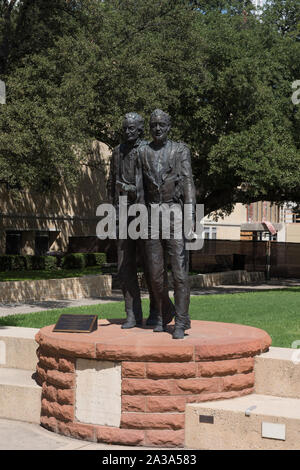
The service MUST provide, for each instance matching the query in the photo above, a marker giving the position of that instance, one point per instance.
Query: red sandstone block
(38, 352)
(147, 353)
(164, 438)
(147, 387)
(171, 370)
(60, 379)
(66, 365)
(197, 386)
(49, 423)
(41, 374)
(48, 362)
(246, 365)
(217, 396)
(218, 368)
(228, 350)
(66, 396)
(133, 369)
(238, 382)
(46, 407)
(152, 421)
(62, 412)
(62, 346)
(133, 403)
(84, 432)
(126, 437)
(165, 404)
(49, 392)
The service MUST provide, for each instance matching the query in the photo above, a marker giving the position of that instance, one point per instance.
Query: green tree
(245, 127)
(73, 69)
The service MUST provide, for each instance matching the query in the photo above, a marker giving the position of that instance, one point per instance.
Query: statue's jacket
(164, 175)
(123, 169)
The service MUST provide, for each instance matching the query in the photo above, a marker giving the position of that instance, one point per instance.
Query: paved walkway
(17, 435)
(38, 306)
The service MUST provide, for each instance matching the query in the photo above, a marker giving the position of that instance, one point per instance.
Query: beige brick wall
(293, 233)
(70, 212)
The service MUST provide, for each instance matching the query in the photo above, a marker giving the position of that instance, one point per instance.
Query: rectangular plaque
(76, 323)
(273, 431)
(206, 419)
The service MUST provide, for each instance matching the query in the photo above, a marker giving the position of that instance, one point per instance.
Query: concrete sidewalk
(38, 306)
(17, 435)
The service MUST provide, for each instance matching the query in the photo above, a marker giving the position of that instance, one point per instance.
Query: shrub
(28, 262)
(13, 263)
(18, 263)
(74, 260)
(5, 262)
(95, 259)
(44, 263)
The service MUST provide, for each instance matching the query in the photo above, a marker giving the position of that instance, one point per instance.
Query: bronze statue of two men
(155, 174)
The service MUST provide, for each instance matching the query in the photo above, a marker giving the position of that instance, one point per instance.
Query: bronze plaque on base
(76, 324)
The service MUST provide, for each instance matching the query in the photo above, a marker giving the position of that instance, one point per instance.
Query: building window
(41, 243)
(264, 236)
(210, 233)
(13, 242)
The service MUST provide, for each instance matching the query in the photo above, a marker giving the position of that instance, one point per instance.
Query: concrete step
(20, 396)
(272, 423)
(18, 347)
(277, 372)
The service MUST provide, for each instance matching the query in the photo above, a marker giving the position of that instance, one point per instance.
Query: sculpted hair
(165, 116)
(139, 119)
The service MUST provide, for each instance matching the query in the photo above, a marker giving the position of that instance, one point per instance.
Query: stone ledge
(206, 280)
(56, 289)
(205, 341)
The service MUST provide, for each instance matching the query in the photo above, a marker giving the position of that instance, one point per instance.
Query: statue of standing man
(165, 180)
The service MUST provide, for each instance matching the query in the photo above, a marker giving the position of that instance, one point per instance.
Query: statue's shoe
(178, 333)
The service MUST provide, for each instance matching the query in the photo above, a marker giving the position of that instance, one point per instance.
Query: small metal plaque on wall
(76, 324)
(206, 419)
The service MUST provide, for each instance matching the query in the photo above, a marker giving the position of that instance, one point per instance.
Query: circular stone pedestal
(130, 387)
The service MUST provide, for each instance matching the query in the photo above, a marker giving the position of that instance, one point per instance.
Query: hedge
(48, 263)
(44, 263)
(95, 259)
(81, 260)
(27, 262)
(74, 260)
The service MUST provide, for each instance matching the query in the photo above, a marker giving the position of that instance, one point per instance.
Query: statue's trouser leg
(167, 305)
(127, 274)
(179, 259)
(153, 307)
(156, 256)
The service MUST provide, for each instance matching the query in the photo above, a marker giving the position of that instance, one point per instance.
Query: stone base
(131, 387)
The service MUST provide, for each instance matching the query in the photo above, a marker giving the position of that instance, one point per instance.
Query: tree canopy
(74, 68)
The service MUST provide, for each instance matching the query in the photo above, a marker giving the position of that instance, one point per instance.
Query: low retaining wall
(198, 281)
(56, 289)
(225, 278)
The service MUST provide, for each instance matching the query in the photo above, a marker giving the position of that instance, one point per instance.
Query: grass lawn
(275, 311)
(55, 274)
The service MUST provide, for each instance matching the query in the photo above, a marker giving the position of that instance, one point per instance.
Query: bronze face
(160, 128)
(131, 130)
